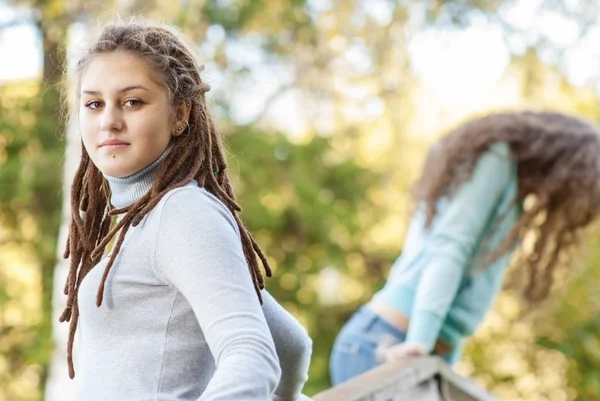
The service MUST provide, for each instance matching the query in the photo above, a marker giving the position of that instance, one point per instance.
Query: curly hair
(558, 169)
(196, 155)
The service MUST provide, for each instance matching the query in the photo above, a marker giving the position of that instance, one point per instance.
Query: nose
(112, 119)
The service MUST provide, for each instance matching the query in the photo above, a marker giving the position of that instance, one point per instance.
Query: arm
(453, 241)
(199, 252)
(294, 348)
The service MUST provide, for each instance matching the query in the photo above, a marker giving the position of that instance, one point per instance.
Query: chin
(116, 171)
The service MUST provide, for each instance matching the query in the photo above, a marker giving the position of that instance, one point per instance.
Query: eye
(93, 105)
(133, 103)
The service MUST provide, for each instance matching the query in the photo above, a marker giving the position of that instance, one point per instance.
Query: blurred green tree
(30, 198)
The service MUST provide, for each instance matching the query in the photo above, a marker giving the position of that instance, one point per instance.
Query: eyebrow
(124, 90)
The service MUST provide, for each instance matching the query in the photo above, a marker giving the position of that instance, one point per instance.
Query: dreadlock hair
(558, 168)
(195, 155)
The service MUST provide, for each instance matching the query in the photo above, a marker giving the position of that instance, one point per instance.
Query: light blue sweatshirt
(443, 281)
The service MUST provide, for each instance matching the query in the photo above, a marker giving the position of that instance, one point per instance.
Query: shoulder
(500, 149)
(192, 204)
(497, 159)
(493, 172)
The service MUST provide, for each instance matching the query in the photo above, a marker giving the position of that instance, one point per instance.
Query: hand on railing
(402, 351)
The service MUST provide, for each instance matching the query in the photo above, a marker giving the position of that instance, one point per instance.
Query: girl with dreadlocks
(471, 215)
(173, 312)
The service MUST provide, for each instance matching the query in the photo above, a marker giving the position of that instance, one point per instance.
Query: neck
(128, 190)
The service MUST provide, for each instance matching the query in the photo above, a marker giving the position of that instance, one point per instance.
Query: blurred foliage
(31, 155)
(308, 211)
(328, 204)
(30, 204)
(573, 326)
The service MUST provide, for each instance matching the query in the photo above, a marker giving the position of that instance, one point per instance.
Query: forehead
(113, 71)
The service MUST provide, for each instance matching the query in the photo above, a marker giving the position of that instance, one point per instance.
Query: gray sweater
(180, 320)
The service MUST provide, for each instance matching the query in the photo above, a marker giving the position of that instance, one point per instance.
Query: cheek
(87, 135)
(154, 131)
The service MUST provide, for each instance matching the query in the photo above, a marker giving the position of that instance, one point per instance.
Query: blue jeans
(354, 349)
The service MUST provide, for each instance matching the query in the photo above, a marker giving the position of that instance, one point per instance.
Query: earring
(180, 130)
(114, 156)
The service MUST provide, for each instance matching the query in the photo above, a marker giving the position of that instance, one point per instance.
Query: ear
(182, 117)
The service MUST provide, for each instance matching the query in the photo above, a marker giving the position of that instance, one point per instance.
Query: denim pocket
(350, 359)
(359, 347)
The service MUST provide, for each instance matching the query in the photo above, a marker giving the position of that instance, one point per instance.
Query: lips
(113, 143)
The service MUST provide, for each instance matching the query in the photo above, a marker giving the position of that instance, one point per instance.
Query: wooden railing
(401, 381)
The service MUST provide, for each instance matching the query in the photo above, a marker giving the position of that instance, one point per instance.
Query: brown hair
(195, 155)
(558, 167)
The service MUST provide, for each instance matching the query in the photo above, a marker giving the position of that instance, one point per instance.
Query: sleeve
(199, 252)
(453, 241)
(294, 349)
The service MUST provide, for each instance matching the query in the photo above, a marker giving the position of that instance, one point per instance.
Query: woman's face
(124, 114)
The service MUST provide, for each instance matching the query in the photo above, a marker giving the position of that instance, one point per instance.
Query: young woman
(469, 220)
(173, 312)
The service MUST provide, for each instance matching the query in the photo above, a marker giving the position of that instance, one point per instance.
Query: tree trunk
(58, 385)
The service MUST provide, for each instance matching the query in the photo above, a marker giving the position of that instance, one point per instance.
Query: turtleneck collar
(128, 190)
